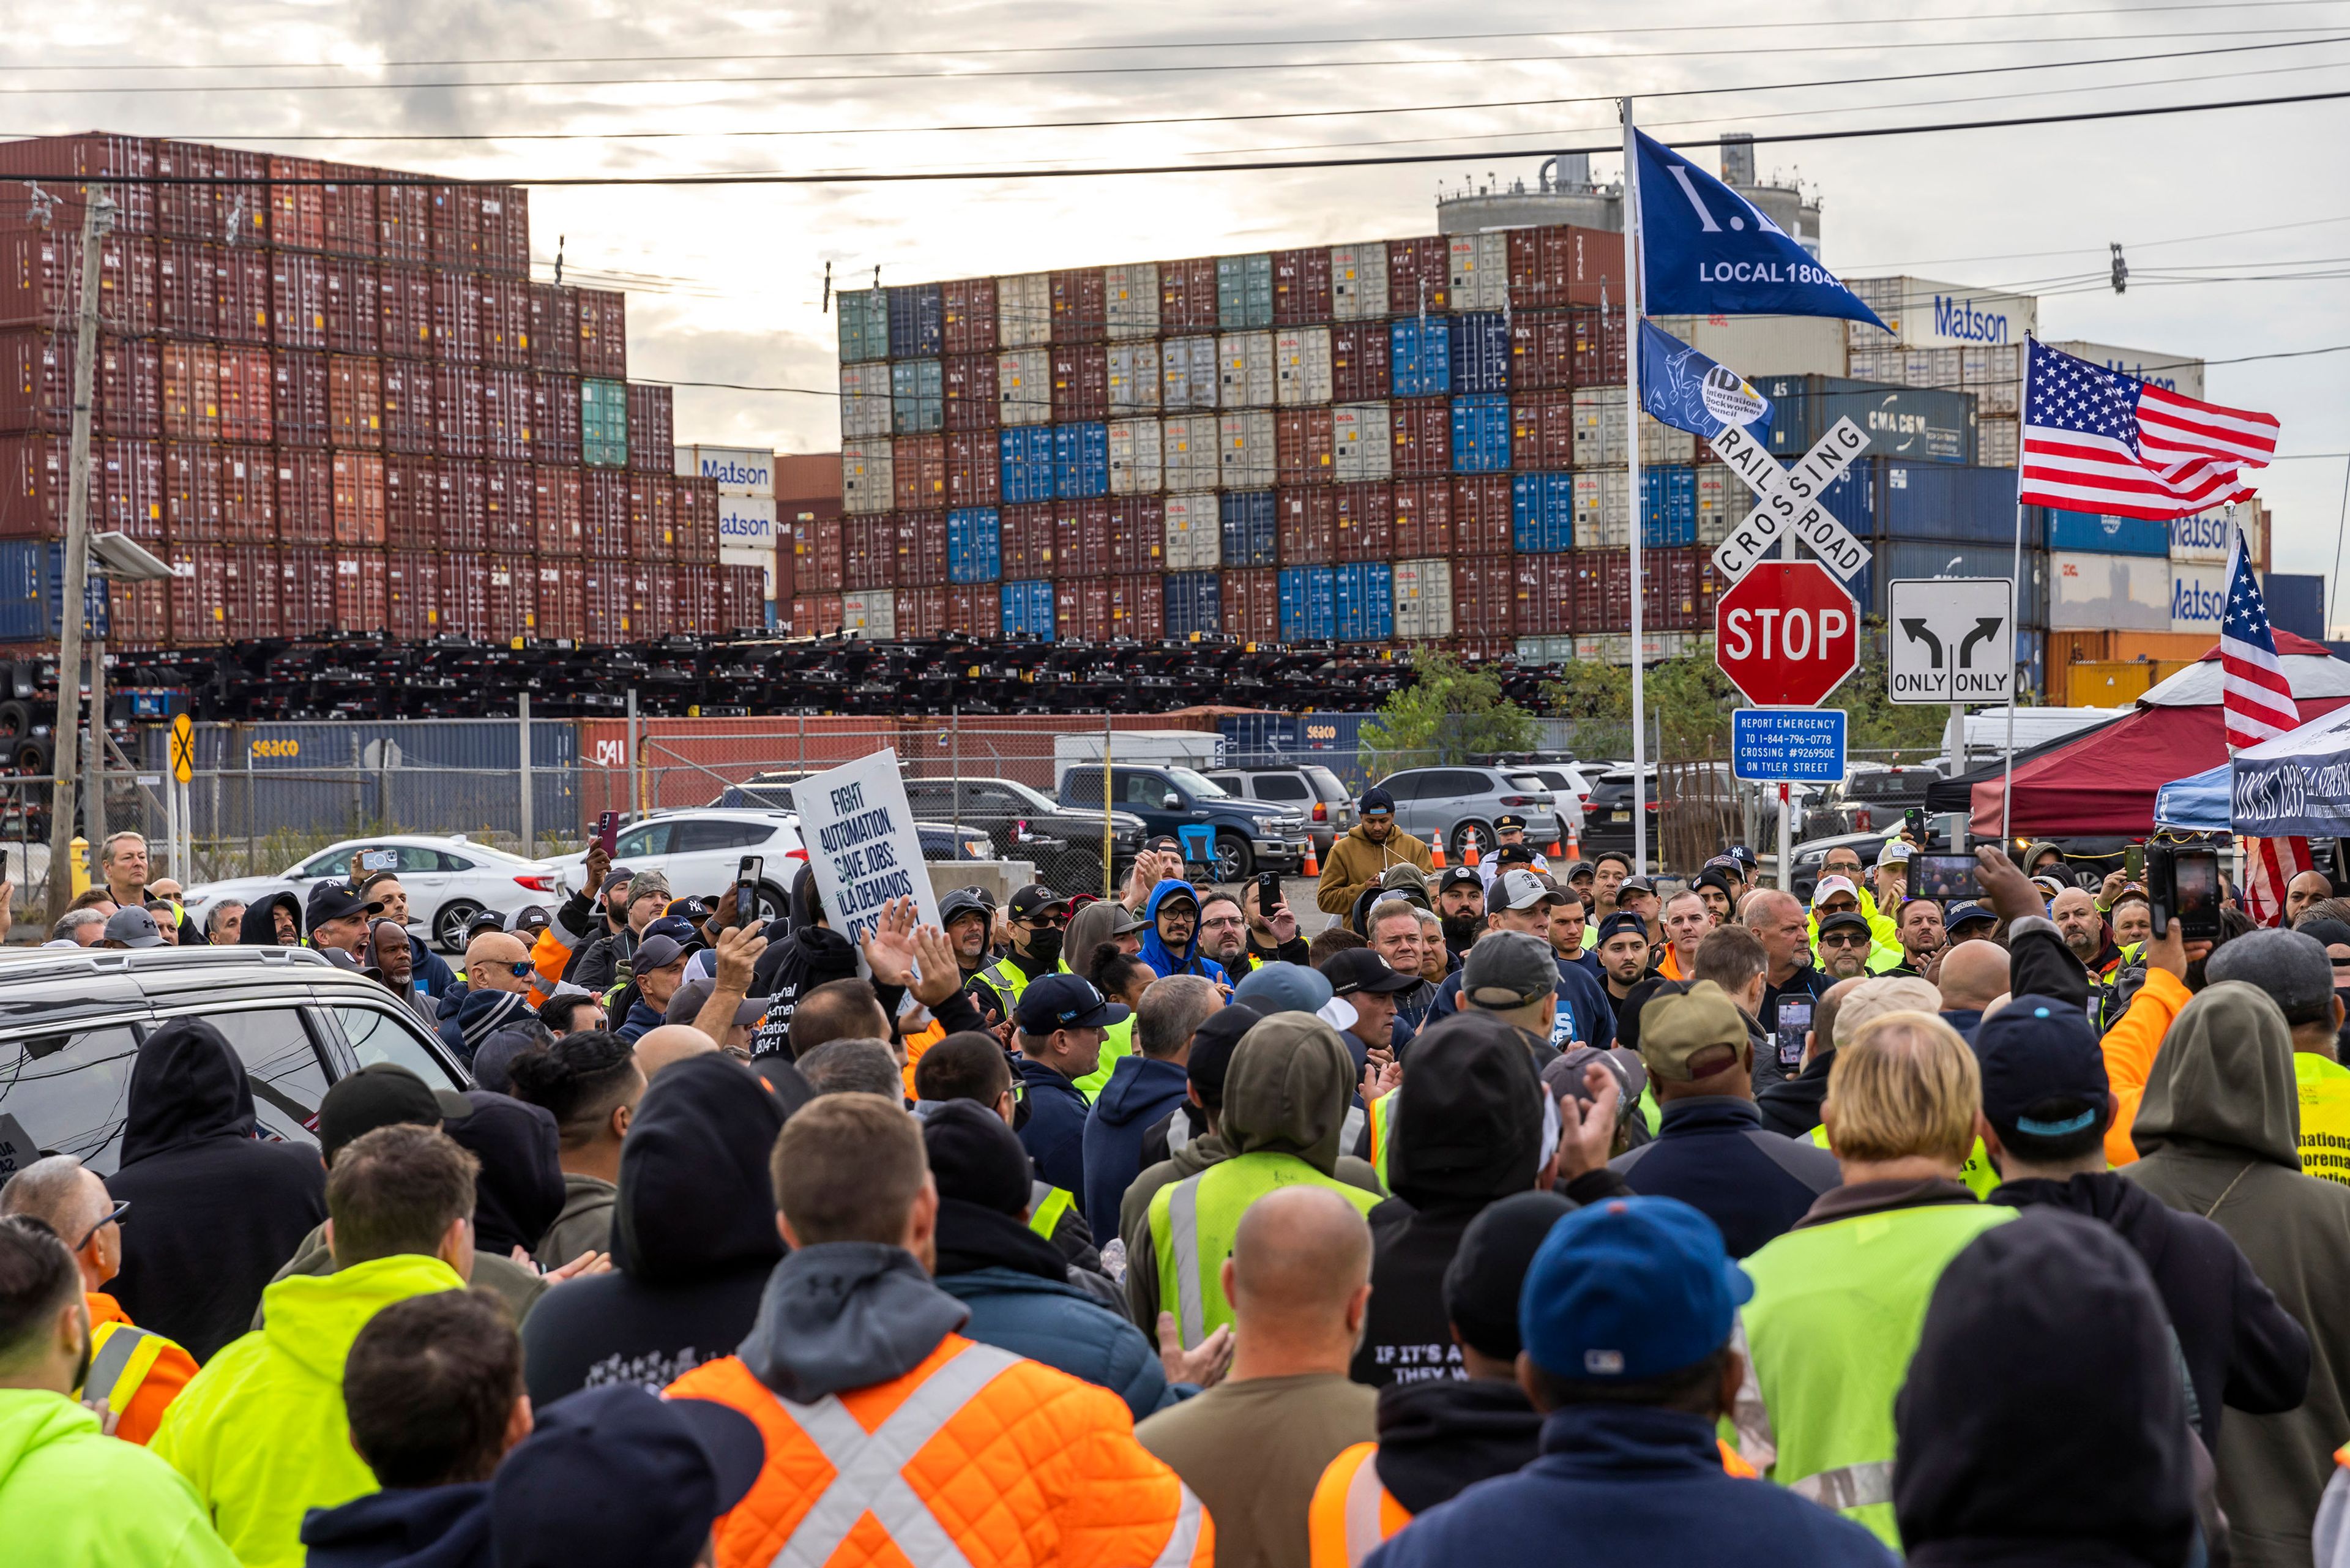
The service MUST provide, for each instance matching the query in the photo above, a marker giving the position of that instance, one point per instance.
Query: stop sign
(1786, 634)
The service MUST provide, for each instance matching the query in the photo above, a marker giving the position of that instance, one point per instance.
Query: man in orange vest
(888, 1433)
(133, 1373)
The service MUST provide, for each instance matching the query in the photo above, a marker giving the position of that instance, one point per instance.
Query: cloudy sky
(2236, 224)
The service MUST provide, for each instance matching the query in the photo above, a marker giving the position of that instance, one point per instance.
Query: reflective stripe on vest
(1848, 1486)
(1046, 1204)
(1229, 1186)
(1382, 1113)
(121, 1357)
(1352, 1510)
(1363, 1494)
(1008, 978)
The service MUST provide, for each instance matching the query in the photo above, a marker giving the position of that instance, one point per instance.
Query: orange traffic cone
(1313, 866)
(1469, 854)
(1554, 846)
(1436, 855)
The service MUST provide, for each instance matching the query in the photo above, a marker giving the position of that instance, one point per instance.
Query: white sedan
(700, 850)
(449, 880)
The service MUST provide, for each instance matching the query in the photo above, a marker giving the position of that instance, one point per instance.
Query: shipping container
(33, 593)
(458, 410)
(1135, 463)
(1603, 509)
(1363, 522)
(412, 503)
(1358, 282)
(1481, 434)
(1599, 347)
(1247, 460)
(1484, 513)
(1423, 599)
(248, 490)
(306, 497)
(1024, 454)
(1541, 428)
(1541, 510)
(1024, 311)
(1599, 432)
(1251, 604)
(2104, 534)
(1422, 435)
(1244, 371)
(974, 545)
(974, 473)
(604, 513)
(2198, 601)
(306, 591)
(922, 545)
(556, 509)
(298, 300)
(1542, 350)
(189, 211)
(1922, 313)
(1302, 440)
(865, 399)
(1193, 604)
(1191, 533)
(354, 402)
(1134, 370)
(1307, 526)
(1187, 294)
(1996, 442)
(816, 555)
(1080, 540)
(603, 421)
(1026, 609)
(358, 500)
(1189, 451)
(1363, 602)
(1137, 529)
(1420, 274)
(652, 428)
(1667, 506)
(918, 472)
(1543, 596)
(1245, 292)
(1190, 372)
(1419, 355)
(354, 307)
(1080, 460)
(1027, 540)
(1478, 349)
(1478, 272)
(1909, 558)
(505, 322)
(605, 603)
(40, 281)
(1884, 498)
(186, 293)
(967, 309)
(1131, 300)
(603, 334)
(1300, 286)
(917, 323)
(917, 397)
(1359, 361)
(412, 594)
(864, 324)
(1080, 382)
(246, 383)
(968, 391)
(1023, 387)
(554, 327)
(510, 495)
(1253, 524)
(1722, 502)
(1080, 314)
(554, 414)
(1921, 424)
(1302, 373)
(1362, 442)
(190, 374)
(509, 406)
(2204, 537)
(405, 316)
(191, 494)
(1422, 510)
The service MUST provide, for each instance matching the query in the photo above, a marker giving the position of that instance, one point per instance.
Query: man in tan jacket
(1359, 860)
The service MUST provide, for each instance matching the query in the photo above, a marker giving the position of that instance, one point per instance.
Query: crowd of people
(1525, 1207)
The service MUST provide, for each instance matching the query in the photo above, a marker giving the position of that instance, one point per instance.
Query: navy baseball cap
(1627, 1289)
(1621, 921)
(1375, 799)
(620, 1474)
(2040, 1053)
(676, 928)
(1963, 911)
(1064, 1001)
(337, 902)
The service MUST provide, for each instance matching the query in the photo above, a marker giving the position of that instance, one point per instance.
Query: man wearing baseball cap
(1038, 915)
(1521, 901)
(1509, 833)
(1368, 985)
(1627, 1317)
(1462, 892)
(1359, 860)
(337, 916)
(1061, 1020)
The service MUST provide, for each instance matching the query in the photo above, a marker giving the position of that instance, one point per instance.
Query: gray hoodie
(846, 1316)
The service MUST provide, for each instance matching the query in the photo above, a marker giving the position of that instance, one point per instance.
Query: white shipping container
(1188, 373)
(1924, 314)
(2199, 597)
(1603, 509)
(2108, 593)
(1599, 432)
(739, 469)
(1360, 449)
(2201, 539)
(1302, 366)
(865, 484)
(1723, 500)
(746, 522)
(865, 399)
(1134, 371)
(1996, 442)
(1024, 311)
(1932, 367)
(1545, 650)
(1873, 364)
(1616, 647)
(763, 559)
(1133, 459)
(1423, 599)
(1358, 281)
(1246, 440)
(869, 612)
(1244, 371)
(1481, 271)
(1195, 532)
(1768, 345)
(1132, 293)
(1023, 387)
(1997, 400)
(2172, 372)
(1991, 367)
(1188, 455)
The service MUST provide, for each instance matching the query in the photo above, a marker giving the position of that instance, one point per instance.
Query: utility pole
(96, 223)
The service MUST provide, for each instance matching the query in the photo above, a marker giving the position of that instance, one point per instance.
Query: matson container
(1358, 281)
(968, 308)
(1134, 457)
(968, 389)
(1363, 522)
(1252, 605)
(1023, 312)
(1423, 599)
(1302, 450)
(1302, 366)
(1023, 387)
(1189, 452)
(1481, 513)
(1362, 443)
(865, 399)
(1190, 373)
(1192, 535)
(1307, 525)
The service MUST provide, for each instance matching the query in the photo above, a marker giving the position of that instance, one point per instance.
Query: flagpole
(1632, 469)
(2015, 615)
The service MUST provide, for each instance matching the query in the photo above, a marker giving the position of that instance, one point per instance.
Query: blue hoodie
(1156, 952)
(422, 1527)
(1139, 1093)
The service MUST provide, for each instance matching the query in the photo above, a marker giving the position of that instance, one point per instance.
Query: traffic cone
(1468, 855)
(1313, 866)
(1553, 848)
(1436, 855)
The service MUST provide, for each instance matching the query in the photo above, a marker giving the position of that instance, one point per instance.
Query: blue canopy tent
(2196, 803)
(2295, 785)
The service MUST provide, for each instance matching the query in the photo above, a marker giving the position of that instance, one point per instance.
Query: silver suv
(1459, 804)
(1309, 788)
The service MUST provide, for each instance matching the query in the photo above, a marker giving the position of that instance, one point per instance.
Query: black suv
(70, 1024)
(1876, 797)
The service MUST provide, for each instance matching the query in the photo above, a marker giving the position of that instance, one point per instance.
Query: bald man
(1254, 1446)
(1974, 975)
(670, 1042)
(2303, 891)
(497, 960)
(2083, 927)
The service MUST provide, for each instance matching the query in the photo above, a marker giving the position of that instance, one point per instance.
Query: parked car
(449, 879)
(1874, 797)
(1016, 822)
(1309, 787)
(1249, 835)
(73, 1022)
(1458, 805)
(1608, 816)
(1569, 781)
(700, 851)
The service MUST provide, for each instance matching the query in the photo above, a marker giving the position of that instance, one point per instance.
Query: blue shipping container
(1364, 601)
(917, 321)
(1027, 463)
(2103, 534)
(1244, 291)
(975, 545)
(1667, 506)
(1923, 424)
(1028, 610)
(1481, 434)
(1309, 607)
(1251, 535)
(1481, 351)
(1284, 740)
(33, 590)
(1542, 513)
(917, 401)
(2296, 603)
(1894, 498)
(864, 324)
(1194, 602)
(1902, 559)
(1080, 460)
(1419, 355)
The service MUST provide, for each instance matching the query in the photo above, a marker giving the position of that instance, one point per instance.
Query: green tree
(1598, 698)
(1877, 723)
(1450, 714)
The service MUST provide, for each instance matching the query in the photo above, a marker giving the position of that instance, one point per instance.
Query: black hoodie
(1467, 1131)
(1438, 1439)
(257, 929)
(812, 955)
(217, 1209)
(2043, 1422)
(519, 1192)
(693, 1240)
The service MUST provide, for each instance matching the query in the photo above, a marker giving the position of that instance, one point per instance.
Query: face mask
(1045, 947)
(1462, 927)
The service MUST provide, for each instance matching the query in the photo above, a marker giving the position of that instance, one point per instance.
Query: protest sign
(861, 844)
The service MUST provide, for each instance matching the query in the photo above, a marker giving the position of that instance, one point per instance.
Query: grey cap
(1508, 969)
(135, 928)
(655, 952)
(1124, 921)
(1520, 890)
(694, 994)
(2290, 966)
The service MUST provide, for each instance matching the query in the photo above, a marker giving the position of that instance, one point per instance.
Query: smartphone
(1268, 894)
(607, 831)
(747, 873)
(1794, 1023)
(2182, 883)
(380, 860)
(2133, 863)
(1944, 877)
(1913, 823)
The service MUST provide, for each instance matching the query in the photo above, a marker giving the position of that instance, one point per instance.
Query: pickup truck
(1249, 835)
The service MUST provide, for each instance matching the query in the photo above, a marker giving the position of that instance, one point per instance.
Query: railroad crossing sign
(183, 748)
(1953, 639)
(1790, 500)
(1786, 634)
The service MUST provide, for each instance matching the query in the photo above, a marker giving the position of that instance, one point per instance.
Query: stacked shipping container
(332, 399)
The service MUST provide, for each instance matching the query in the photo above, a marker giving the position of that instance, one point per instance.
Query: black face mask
(1460, 928)
(1045, 947)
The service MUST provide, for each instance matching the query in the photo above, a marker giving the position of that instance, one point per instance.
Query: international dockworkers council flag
(1684, 388)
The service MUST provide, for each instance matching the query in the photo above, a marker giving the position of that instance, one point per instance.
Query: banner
(1681, 388)
(2297, 784)
(862, 845)
(1707, 250)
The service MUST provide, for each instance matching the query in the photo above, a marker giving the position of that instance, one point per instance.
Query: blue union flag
(1707, 250)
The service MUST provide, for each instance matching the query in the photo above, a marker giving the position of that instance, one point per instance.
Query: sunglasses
(113, 1216)
(522, 967)
(1844, 939)
(1044, 922)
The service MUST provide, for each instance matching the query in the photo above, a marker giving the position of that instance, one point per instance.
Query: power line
(2095, 250)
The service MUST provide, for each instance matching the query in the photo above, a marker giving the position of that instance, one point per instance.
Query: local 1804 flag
(1683, 389)
(1706, 250)
(2097, 440)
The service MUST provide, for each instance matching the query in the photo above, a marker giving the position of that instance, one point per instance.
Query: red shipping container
(603, 334)
(354, 307)
(409, 422)
(130, 497)
(605, 595)
(1595, 269)
(251, 583)
(1080, 540)
(657, 497)
(298, 409)
(458, 391)
(297, 204)
(1300, 286)
(1305, 524)
(918, 469)
(970, 325)
(191, 390)
(653, 603)
(248, 490)
(196, 599)
(403, 307)
(403, 221)
(465, 596)
(743, 599)
(505, 322)
(974, 473)
(556, 512)
(412, 503)
(1252, 605)
(306, 497)
(562, 606)
(1423, 518)
(298, 303)
(1302, 446)
(349, 215)
(554, 416)
(868, 551)
(695, 612)
(456, 227)
(1603, 590)
(1423, 436)
(652, 430)
(1542, 430)
(1539, 261)
(1481, 521)
(191, 493)
(506, 399)
(1682, 585)
(359, 591)
(604, 513)
(1081, 611)
(465, 501)
(554, 327)
(130, 393)
(139, 283)
(975, 610)
(33, 486)
(456, 318)
(510, 598)
(354, 403)
(306, 591)
(921, 550)
(1364, 513)
(411, 595)
(241, 293)
(1359, 353)
(812, 615)
(1420, 272)
(1028, 541)
(186, 295)
(358, 499)
(1484, 589)
(1599, 347)
(505, 231)
(697, 521)
(921, 612)
(1081, 378)
(68, 167)
(1080, 308)
(37, 381)
(1542, 350)
(1544, 595)
(189, 211)
(40, 281)
(1187, 295)
(1138, 609)
(971, 386)
(1138, 534)
(247, 382)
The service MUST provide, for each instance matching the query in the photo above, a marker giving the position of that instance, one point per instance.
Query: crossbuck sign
(1790, 500)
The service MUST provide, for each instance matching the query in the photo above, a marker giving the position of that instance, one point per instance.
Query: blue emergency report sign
(1787, 745)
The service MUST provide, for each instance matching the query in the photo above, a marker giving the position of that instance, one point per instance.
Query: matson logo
(2191, 600)
(1962, 319)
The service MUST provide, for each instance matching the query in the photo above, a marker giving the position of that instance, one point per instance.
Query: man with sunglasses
(1844, 939)
(133, 1373)
(1038, 917)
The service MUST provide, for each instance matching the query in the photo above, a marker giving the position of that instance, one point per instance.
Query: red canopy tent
(2106, 782)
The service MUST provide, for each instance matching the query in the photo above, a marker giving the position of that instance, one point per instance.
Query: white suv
(699, 852)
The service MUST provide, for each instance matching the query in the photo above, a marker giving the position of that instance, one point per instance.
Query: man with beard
(1039, 916)
(1569, 923)
(1638, 895)
(968, 922)
(1170, 945)
(1792, 984)
(1844, 944)
(2306, 888)
(1461, 905)
(1623, 955)
(1357, 861)
(1923, 939)
(1271, 933)
(2074, 910)
(1224, 935)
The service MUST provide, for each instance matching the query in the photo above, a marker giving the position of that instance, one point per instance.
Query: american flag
(2256, 703)
(2097, 440)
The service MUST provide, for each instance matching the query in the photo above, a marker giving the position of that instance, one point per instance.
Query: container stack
(333, 400)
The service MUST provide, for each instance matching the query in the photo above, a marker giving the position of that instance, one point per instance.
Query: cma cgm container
(1924, 424)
